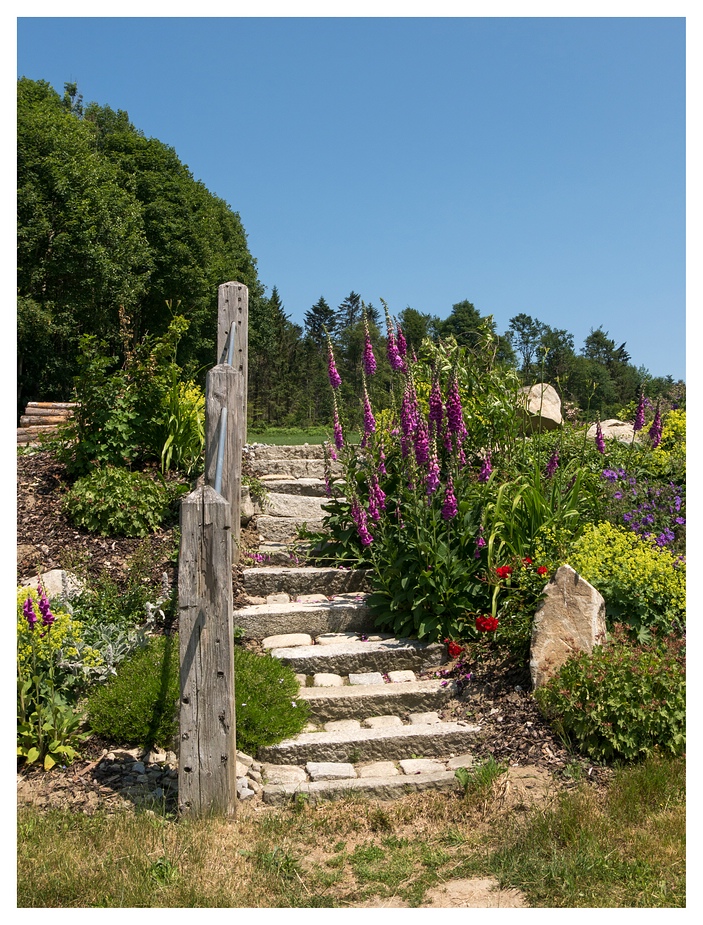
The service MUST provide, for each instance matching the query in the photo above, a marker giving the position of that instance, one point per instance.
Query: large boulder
(615, 430)
(57, 584)
(570, 620)
(540, 406)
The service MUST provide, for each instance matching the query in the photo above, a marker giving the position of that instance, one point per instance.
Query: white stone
(382, 722)
(311, 599)
(612, 429)
(420, 765)
(570, 620)
(460, 761)
(330, 770)
(424, 719)
(540, 402)
(398, 677)
(53, 583)
(287, 640)
(332, 639)
(327, 680)
(284, 774)
(369, 677)
(280, 598)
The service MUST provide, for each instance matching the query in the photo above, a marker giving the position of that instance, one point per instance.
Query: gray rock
(382, 722)
(420, 765)
(286, 640)
(57, 583)
(342, 725)
(367, 677)
(330, 770)
(612, 429)
(540, 406)
(377, 769)
(460, 761)
(570, 620)
(398, 677)
(424, 719)
(324, 679)
(284, 774)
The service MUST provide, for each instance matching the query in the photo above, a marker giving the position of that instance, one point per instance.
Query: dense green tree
(525, 335)
(417, 326)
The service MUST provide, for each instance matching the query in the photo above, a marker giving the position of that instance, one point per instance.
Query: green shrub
(140, 705)
(623, 701)
(643, 585)
(117, 502)
(266, 694)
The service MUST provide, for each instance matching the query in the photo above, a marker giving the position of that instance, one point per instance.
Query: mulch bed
(498, 695)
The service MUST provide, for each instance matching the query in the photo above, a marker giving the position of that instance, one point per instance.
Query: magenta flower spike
(486, 469)
(369, 358)
(422, 444)
(552, 465)
(432, 483)
(360, 519)
(449, 507)
(402, 344)
(436, 408)
(455, 418)
(600, 442)
(334, 377)
(47, 616)
(655, 431)
(29, 612)
(639, 416)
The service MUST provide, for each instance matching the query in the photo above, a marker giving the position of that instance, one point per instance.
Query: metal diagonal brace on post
(221, 451)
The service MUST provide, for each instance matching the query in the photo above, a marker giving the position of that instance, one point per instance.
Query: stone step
(372, 788)
(295, 507)
(268, 451)
(359, 656)
(296, 468)
(341, 614)
(283, 529)
(309, 487)
(260, 581)
(365, 700)
(385, 743)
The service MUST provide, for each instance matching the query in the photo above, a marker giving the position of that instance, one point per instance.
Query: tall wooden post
(207, 780)
(233, 305)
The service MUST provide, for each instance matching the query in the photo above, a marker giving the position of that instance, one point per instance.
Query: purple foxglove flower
(422, 444)
(47, 616)
(401, 342)
(455, 420)
(334, 377)
(486, 469)
(480, 543)
(449, 507)
(552, 464)
(447, 440)
(436, 408)
(360, 519)
(655, 431)
(600, 442)
(639, 416)
(338, 435)
(379, 493)
(29, 612)
(433, 482)
(382, 462)
(409, 412)
(369, 358)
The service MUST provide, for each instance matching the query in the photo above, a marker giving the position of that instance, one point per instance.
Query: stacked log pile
(42, 417)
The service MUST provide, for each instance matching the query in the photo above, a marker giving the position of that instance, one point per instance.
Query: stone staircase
(375, 702)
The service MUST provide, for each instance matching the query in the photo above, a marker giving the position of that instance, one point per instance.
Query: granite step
(306, 487)
(344, 612)
(387, 742)
(265, 452)
(361, 656)
(260, 581)
(272, 529)
(292, 468)
(367, 700)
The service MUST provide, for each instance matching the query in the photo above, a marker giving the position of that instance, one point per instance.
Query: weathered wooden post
(210, 529)
(207, 762)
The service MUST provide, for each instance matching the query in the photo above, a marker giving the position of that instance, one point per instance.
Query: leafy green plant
(139, 705)
(184, 425)
(623, 701)
(643, 584)
(48, 723)
(114, 501)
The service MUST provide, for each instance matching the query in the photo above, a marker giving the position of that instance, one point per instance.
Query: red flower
(527, 561)
(542, 570)
(453, 648)
(504, 571)
(486, 624)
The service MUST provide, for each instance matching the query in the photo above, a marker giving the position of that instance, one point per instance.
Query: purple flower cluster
(639, 414)
(29, 612)
(655, 431)
(338, 435)
(377, 499)
(455, 417)
(652, 511)
(422, 443)
(401, 342)
(436, 408)
(369, 420)
(486, 469)
(369, 358)
(433, 479)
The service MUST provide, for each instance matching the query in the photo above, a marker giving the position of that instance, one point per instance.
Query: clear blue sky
(529, 165)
